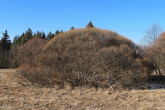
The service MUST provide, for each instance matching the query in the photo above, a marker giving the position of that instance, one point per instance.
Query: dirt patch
(16, 94)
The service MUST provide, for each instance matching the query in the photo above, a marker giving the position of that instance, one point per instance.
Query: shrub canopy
(92, 57)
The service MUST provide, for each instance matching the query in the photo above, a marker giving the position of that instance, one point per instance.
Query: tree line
(6, 45)
(9, 50)
(24, 46)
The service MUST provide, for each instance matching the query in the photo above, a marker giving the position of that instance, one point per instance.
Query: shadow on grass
(157, 79)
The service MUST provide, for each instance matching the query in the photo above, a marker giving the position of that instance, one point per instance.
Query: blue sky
(130, 18)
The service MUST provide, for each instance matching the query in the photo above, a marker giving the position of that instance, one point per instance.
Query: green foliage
(23, 39)
(5, 45)
(5, 41)
(29, 34)
(25, 36)
(61, 31)
(16, 40)
(39, 35)
(90, 25)
(72, 28)
(13, 55)
(50, 35)
(57, 32)
(43, 35)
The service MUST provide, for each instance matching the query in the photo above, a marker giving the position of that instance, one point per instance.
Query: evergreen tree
(29, 34)
(61, 31)
(38, 34)
(23, 39)
(90, 25)
(26, 36)
(50, 35)
(43, 35)
(5, 41)
(5, 45)
(16, 40)
(14, 59)
(72, 28)
(57, 32)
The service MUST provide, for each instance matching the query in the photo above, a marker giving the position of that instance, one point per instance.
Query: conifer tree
(5, 45)
(5, 41)
(16, 40)
(29, 34)
(26, 36)
(57, 32)
(23, 38)
(61, 31)
(38, 34)
(43, 35)
(72, 28)
(50, 35)
(90, 25)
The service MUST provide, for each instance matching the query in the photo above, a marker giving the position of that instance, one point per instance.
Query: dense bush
(27, 53)
(159, 51)
(155, 53)
(90, 56)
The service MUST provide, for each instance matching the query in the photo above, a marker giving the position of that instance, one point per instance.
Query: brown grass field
(19, 94)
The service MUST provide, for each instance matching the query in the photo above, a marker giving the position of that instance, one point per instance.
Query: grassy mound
(89, 56)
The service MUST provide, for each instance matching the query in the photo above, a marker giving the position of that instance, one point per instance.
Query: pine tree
(26, 36)
(72, 28)
(5, 45)
(61, 31)
(43, 35)
(57, 32)
(23, 39)
(50, 35)
(90, 25)
(29, 34)
(38, 34)
(16, 40)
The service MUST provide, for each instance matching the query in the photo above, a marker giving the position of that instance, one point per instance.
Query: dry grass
(18, 94)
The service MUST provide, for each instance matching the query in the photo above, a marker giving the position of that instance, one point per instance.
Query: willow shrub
(91, 57)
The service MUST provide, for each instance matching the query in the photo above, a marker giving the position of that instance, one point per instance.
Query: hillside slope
(17, 94)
